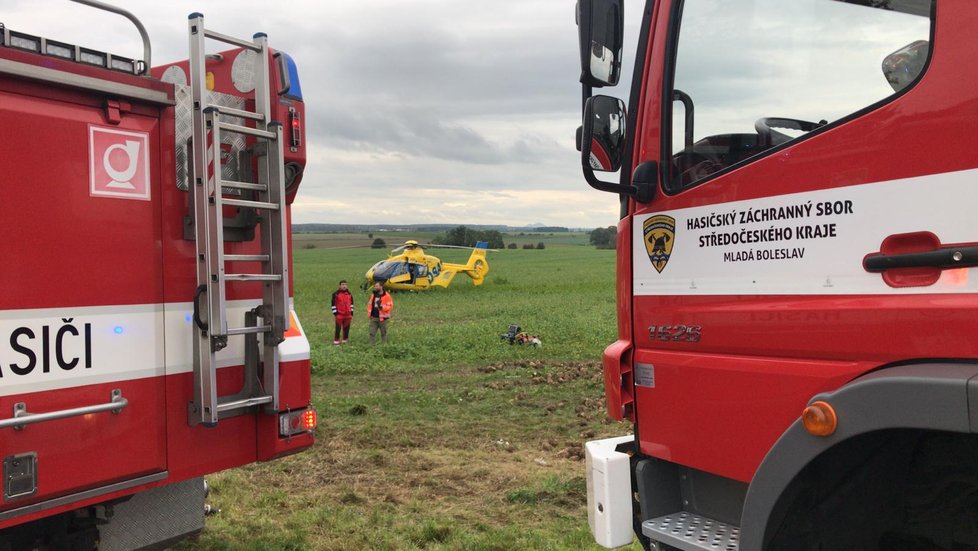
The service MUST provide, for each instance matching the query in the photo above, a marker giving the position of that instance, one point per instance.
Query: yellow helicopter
(408, 268)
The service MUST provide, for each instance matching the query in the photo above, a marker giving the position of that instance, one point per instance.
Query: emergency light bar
(92, 57)
(23, 41)
(58, 49)
(41, 45)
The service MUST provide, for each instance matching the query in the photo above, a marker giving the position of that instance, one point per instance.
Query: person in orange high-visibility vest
(379, 308)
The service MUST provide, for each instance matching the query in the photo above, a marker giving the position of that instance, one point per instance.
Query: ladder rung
(247, 402)
(232, 40)
(252, 204)
(243, 185)
(249, 330)
(237, 112)
(245, 130)
(252, 277)
(246, 258)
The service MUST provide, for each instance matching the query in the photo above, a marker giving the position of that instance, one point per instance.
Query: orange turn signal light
(820, 419)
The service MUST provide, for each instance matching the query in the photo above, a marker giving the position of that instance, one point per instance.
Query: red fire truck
(797, 293)
(147, 336)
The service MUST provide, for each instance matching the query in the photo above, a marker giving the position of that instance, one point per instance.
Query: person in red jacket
(343, 312)
(379, 308)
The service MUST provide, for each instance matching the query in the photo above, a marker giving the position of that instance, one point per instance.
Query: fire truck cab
(147, 336)
(796, 284)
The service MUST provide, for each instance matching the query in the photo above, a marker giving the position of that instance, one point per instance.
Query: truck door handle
(22, 418)
(945, 258)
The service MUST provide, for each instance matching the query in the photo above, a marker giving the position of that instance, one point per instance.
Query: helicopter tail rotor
(477, 267)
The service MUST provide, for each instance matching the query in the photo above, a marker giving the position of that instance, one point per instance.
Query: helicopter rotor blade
(345, 247)
(458, 247)
(423, 246)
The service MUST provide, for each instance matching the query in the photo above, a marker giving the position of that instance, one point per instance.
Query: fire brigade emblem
(659, 234)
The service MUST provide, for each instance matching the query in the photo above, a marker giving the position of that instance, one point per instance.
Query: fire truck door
(792, 155)
(81, 324)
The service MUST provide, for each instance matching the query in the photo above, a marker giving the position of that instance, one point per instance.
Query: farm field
(447, 437)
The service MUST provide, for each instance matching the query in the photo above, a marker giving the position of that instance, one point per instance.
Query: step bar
(691, 532)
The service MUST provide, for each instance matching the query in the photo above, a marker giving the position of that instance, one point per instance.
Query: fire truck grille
(688, 531)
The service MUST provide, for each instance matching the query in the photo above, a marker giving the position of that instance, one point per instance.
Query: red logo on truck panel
(118, 163)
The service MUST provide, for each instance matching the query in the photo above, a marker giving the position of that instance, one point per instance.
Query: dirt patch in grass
(542, 372)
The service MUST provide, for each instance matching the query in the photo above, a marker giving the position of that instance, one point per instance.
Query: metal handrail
(233, 41)
(23, 418)
(147, 49)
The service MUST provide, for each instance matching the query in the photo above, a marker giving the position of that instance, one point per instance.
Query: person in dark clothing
(342, 304)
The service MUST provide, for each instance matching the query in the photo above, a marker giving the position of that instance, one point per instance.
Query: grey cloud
(400, 96)
(440, 65)
(413, 132)
(408, 132)
(396, 85)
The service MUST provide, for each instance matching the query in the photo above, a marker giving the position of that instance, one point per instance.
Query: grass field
(446, 438)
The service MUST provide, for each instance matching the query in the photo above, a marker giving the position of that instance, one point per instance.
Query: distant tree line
(604, 238)
(462, 236)
(550, 229)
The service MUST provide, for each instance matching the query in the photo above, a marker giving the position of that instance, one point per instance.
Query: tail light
(296, 421)
(295, 129)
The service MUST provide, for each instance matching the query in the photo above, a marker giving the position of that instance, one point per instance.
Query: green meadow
(447, 437)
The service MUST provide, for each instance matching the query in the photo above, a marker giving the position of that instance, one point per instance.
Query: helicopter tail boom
(476, 267)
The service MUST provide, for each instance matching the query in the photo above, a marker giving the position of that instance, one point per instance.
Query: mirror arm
(642, 192)
(609, 187)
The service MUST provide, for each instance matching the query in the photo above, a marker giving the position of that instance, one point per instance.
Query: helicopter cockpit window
(754, 74)
(389, 270)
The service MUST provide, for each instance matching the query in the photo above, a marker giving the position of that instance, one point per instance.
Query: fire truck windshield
(765, 72)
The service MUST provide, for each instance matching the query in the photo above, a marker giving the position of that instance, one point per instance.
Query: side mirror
(603, 138)
(903, 66)
(600, 24)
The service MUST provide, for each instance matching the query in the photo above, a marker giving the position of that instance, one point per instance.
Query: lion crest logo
(659, 233)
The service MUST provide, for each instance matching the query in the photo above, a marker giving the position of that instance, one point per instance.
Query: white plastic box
(609, 492)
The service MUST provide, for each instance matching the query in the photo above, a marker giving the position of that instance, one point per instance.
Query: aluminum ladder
(269, 321)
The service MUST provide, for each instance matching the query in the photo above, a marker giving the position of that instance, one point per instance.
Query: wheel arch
(934, 396)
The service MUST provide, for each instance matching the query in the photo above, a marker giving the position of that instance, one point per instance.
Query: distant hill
(356, 228)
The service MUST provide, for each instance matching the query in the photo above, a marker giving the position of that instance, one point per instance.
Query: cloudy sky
(429, 111)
